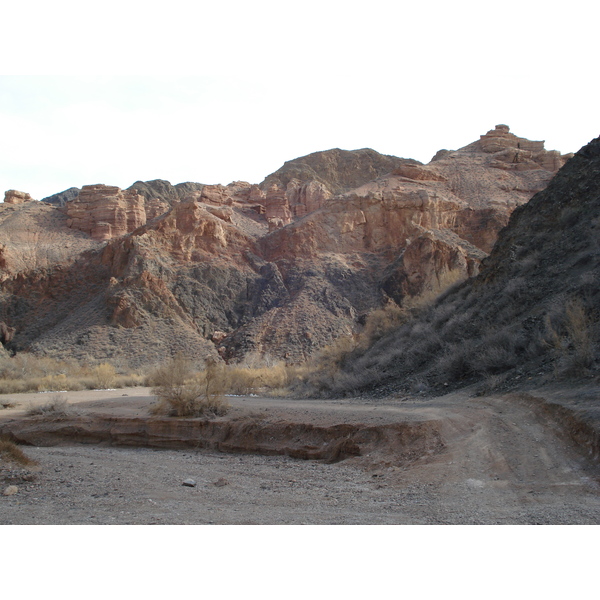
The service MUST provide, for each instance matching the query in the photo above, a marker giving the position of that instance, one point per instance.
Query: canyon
(277, 270)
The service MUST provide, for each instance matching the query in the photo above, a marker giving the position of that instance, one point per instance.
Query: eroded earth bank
(520, 458)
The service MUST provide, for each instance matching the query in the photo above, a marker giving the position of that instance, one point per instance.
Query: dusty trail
(501, 461)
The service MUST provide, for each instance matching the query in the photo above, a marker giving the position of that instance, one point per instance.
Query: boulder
(16, 197)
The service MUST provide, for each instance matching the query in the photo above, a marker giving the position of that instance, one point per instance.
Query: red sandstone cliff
(280, 268)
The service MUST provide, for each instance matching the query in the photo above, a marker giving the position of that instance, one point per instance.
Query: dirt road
(492, 460)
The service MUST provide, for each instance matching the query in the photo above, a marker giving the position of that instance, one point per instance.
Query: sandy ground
(502, 463)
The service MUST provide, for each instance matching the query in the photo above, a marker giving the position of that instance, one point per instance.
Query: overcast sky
(229, 90)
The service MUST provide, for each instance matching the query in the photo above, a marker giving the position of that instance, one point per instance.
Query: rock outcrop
(531, 314)
(105, 212)
(338, 170)
(282, 268)
(16, 197)
(518, 154)
(305, 184)
(62, 198)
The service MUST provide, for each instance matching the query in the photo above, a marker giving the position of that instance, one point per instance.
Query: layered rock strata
(105, 212)
(282, 268)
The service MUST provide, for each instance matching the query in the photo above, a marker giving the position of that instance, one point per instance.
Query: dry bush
(579, 329)
(104, 375)
(570, 334)
(332, 358)
(264, 374)
(497, 352)
(10, 452)
(380, 322)
(57, 383)
(453, 365)
(57, 409)
(257, 360)
(275, 379)
(10, 386)
(328, 370)
(184, 392)
(30, 373)
(445, 282)
(130, 380)
(492, 384)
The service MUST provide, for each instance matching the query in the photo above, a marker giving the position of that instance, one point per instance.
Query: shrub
(381, 321)
(56, 409)
(104, 375)
(570, 334)
(578, 326)
(246, 380)
(182, 392)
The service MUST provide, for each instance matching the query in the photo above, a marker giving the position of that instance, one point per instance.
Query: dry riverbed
(454, 459)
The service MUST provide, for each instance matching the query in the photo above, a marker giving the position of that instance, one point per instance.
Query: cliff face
(105, 212)
(530, 314)
(281, 268)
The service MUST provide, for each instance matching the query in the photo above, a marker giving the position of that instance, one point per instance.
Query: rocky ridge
(281, 268)
(531, 314)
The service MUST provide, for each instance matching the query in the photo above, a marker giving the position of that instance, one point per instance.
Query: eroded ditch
(405, 441)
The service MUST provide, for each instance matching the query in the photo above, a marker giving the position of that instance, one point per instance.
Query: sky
(218, 92)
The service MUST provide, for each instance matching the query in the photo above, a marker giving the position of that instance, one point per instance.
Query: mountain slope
(533, 310)
(280, 269)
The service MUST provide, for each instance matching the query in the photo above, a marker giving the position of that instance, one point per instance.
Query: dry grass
(10, 452)
(264, 380)
(444, 282)
(29, 373)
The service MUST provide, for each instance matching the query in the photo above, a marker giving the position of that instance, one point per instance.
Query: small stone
(221, 482)
(189, 483)
(11, 490)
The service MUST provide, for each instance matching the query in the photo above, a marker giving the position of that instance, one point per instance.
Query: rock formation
(305, 184)
(16, 197)
(530, 314)
(62, 198)
(105, 212)
(518, 154)
(282, 268)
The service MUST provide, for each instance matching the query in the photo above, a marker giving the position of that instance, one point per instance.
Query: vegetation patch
(11, 453)
(26, 372)
(57, 409)
(182, 391)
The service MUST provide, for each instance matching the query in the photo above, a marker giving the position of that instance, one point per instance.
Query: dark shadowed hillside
(532, 312)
